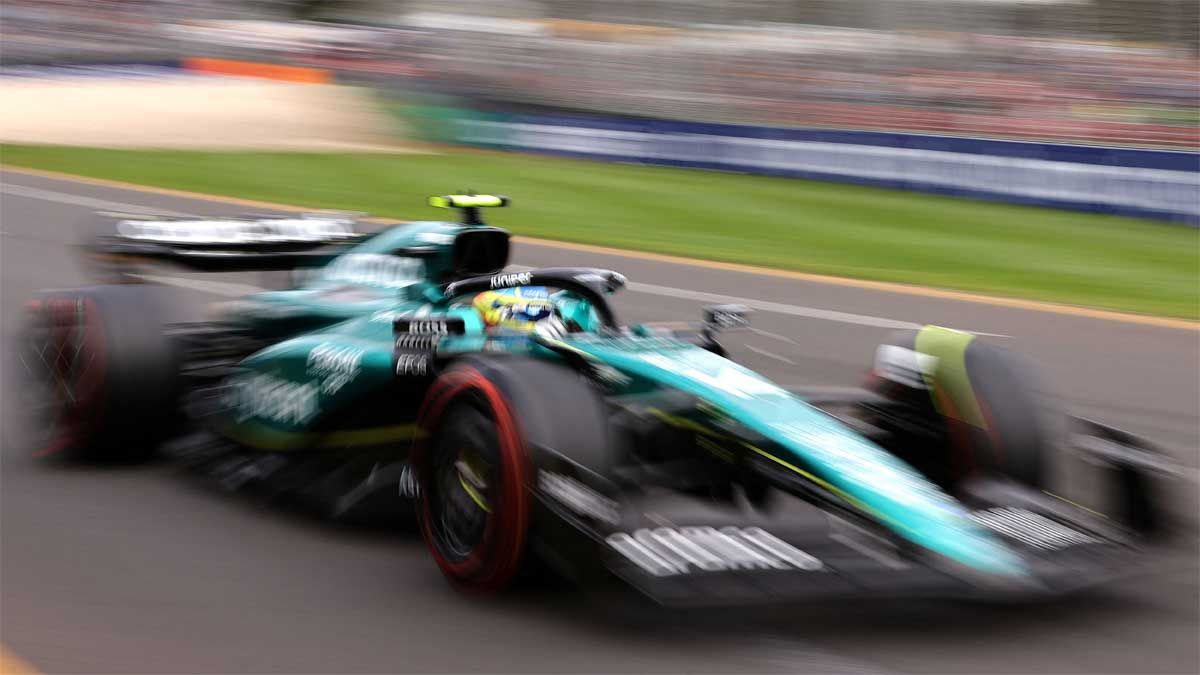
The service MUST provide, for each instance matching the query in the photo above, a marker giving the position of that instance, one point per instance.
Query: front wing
(684, 550)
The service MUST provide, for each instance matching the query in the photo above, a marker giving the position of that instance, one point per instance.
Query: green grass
(1078, 258)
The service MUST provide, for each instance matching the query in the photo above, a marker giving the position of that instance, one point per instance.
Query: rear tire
(107, 375)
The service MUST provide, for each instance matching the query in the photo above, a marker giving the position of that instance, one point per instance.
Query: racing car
(510, 411)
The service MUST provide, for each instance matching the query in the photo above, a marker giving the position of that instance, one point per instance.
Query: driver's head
(516, 308)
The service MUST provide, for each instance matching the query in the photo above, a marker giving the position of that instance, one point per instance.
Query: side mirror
(721, 319)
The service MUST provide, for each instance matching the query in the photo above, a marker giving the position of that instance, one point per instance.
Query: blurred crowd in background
(1098, 71)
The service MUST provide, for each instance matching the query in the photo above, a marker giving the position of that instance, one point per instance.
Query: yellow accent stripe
(371, 436)
(473, 494)
(11, 664)
(716, 450)
(1075, 504)
(676, 420)
(885, 286)
(685, 423)
(275, 439)
(832, 488)
(898, 524)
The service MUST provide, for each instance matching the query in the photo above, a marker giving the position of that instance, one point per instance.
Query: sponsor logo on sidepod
(335, 365)
(272, 398)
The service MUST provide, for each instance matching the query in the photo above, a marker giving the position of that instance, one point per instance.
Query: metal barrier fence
(1148, 183)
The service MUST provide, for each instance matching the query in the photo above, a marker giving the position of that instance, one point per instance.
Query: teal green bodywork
(807, 440)
(340, 354)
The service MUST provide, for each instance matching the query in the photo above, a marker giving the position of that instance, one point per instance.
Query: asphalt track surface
(141, 570)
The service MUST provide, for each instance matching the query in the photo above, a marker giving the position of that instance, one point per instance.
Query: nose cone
(825, 452)
(892, 492)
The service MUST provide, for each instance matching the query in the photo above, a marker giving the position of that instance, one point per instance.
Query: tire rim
(468, 479)
(64, 359)
(462, 484)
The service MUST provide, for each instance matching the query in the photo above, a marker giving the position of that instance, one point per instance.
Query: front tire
(979, 409)
(474, 471)
(536, 411)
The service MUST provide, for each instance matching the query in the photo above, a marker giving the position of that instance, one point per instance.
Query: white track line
(780, 308)
(767, 306)
(763, 305)
(772, 355)
(883, 286)
(226, 289)
(79, 200)
(774, 336)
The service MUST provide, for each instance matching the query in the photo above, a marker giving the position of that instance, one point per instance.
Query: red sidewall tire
(496, 561)
(114, 374)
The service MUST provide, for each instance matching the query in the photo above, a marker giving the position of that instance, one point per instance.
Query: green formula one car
(517, 418)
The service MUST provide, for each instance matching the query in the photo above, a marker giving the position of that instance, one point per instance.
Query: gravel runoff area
(194, 112)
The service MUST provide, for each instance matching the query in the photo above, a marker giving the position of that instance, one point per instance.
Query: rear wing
(218, 244)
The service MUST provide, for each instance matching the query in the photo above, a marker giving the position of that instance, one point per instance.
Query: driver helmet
(518, 309)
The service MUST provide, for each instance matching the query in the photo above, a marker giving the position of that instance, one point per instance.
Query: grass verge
(1126, 264)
